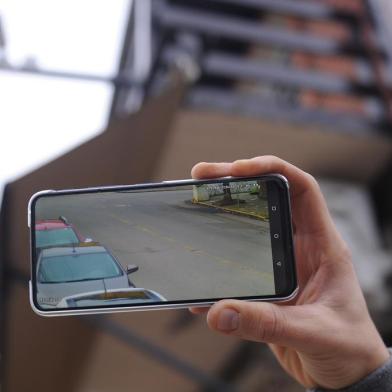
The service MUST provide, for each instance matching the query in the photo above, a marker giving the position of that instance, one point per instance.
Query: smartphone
(172, 244)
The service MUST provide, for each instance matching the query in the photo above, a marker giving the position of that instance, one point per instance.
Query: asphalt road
(184, 251)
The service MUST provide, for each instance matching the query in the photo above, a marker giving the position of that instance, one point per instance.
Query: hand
(325, 336)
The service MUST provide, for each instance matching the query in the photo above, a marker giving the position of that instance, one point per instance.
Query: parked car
(70, 270)
(111, 297)
(55, 232)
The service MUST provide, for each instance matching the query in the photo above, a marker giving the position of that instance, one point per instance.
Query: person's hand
(325, 336)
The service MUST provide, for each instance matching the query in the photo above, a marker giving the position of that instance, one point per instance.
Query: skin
(324, 337)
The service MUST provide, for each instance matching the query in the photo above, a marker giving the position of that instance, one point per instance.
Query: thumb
(263, 322)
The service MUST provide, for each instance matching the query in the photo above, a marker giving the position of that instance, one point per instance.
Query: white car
(70, 270)
(111, 297)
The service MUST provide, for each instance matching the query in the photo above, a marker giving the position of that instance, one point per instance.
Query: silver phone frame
(138, 308)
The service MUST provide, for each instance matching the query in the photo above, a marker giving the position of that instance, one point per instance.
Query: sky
(41, 117)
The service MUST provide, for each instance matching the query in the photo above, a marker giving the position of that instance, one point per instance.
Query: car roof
(50, 224)
(72, 250)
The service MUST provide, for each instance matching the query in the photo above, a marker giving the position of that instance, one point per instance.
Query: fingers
(199, 310)
(300, 181)
(211, 170)
(263, 322)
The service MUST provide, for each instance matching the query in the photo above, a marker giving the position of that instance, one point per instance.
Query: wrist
(379, 379)
(372, 356)
(374, 360)
(357, 367)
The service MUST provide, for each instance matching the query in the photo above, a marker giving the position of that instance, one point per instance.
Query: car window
(46, 238)
(77, 267)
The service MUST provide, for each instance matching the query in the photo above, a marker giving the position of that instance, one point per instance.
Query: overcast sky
(41, 118)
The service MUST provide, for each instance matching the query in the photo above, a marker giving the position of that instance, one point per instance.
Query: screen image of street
(157, 245)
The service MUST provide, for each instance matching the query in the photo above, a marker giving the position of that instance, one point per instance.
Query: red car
(55, 232)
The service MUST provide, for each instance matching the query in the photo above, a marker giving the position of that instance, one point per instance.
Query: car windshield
(46, 238)
(77, 267)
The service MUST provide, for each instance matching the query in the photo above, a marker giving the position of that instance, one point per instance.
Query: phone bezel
(286, 238)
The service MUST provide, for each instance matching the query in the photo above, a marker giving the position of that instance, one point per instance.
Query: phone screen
(165, 243)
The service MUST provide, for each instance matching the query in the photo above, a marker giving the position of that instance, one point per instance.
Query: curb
(236, 212)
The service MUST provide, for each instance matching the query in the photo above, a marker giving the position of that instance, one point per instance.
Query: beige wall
(208, 136)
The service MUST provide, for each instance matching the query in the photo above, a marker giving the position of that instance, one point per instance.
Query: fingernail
(228, 320)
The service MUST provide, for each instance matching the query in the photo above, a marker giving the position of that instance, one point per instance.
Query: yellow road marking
(122, 220)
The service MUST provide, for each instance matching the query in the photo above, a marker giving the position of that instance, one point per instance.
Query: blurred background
(95, 93)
